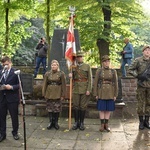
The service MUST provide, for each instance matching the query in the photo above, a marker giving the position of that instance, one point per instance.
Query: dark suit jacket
(12, 96)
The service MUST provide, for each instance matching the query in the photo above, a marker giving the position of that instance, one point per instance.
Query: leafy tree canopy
(127, 20)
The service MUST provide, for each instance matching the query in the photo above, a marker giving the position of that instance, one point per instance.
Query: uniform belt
(106, 82)
(80, 80)
(54, 83)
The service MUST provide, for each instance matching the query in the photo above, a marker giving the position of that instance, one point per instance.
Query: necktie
(6, 75)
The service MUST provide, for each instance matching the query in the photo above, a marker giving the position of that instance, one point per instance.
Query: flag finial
(72, 10)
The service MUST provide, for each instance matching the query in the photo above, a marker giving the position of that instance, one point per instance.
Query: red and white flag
(70, 46)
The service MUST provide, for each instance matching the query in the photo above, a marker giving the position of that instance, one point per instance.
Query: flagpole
(72, 10)
(70, 101)
(69, 55)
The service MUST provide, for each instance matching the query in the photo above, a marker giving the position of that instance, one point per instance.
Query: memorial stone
(58, 47)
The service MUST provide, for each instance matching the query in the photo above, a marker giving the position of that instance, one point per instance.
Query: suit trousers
(124, 62)
(13, 111)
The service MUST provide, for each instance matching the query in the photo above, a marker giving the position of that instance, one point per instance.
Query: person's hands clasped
(8, 87)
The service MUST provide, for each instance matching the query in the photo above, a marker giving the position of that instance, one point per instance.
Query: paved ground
(124, 135)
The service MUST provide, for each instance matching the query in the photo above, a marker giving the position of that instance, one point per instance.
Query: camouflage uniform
(143, 88)
(54, 87)
(82, 82)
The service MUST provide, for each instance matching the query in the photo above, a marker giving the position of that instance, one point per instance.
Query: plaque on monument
(27, 82)
(58, 47)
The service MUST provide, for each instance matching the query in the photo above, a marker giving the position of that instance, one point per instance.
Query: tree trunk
(103, 43)
(47, 29)
(7, 27)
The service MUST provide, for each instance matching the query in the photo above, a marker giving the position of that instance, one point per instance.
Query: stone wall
(35, 104)
(129, 85)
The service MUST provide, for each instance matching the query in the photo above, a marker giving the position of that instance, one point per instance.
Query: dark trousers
(13, 110)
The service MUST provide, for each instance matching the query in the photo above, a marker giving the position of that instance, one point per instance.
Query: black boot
(56, 116)
(76, 117)
(51, 120)
(82, 115)
(141, 124)
(146, 122)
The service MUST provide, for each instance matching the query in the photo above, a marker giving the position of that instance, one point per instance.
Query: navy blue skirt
(106, 105)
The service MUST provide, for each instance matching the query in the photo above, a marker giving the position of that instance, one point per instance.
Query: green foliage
(127, 20)
(18, 9)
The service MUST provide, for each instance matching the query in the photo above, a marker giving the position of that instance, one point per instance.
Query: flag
(70, 52)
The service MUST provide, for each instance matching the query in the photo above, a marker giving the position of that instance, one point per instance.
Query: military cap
(105, 57)
(79, 53)
(145, 47)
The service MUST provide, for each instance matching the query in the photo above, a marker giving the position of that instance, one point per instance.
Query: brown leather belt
(54, 83)
(106, 82)
(80, 80)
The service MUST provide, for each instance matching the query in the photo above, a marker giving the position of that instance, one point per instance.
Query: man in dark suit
(9, 98)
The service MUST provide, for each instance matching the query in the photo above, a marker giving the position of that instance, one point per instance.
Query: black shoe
(141, 126)
(146, 124)
(16, 137)
(75, 126)
(50, 126)
(56, 126)
(82, 126)
(2, 137)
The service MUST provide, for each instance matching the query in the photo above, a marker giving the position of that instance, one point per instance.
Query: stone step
(38, 108)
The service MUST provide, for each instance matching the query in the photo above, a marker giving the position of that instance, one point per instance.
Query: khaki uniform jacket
(137, 67)
(82, 79)
(106, 84)
(54, 85)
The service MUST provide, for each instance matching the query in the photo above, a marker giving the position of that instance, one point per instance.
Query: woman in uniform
(105, 91)
(54, 88)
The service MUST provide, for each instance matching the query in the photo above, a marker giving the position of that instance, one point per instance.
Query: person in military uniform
(53, 90)
(82, 87)
(137, 69)
(105, 90)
